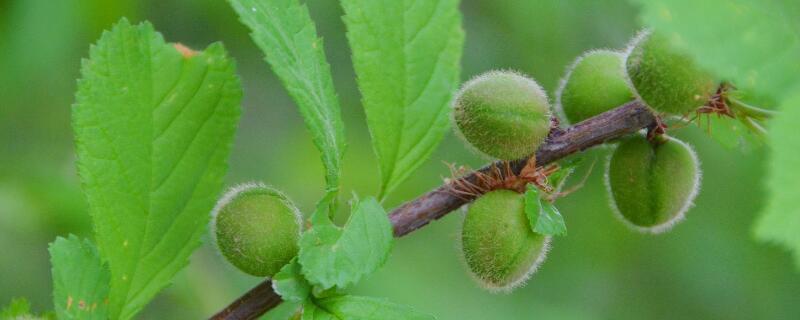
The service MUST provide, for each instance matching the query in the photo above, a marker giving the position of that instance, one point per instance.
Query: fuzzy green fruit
(666, 79)
(652, 186)
(256, 229)
(595, 83)
(502, 114)
(499, 246)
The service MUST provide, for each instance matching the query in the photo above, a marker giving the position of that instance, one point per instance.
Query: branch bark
(619, 122)
(252, 304)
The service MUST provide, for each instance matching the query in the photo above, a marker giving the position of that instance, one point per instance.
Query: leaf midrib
(407, 43)
(154, 187)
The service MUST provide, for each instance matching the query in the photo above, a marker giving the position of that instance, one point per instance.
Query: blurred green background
(707, 268)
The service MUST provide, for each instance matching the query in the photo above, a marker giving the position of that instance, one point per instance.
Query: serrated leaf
(753, 43)
(80, 279)
(550, 221)
(532, 207)
(362, 308)
(284, 31)
(406, 54)
(336, 257)
(290, 283)
(780, 220)
(543, 216)
(153, 127)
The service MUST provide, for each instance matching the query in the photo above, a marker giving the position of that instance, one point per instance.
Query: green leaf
(80, 279)
(532, 207)
(780, 220)
(20, 309)
(550, 220)
(153, 127)
(406, 54)
(753, 43)
(362, 308)
(290, 283)
(543, 216)
(331, 256)
(284, 31)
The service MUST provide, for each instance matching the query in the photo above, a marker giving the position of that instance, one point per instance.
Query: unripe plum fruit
(502, 114)
(595, 83)
(652, 185)
(256, 229)
(499, 246)
(667, 79)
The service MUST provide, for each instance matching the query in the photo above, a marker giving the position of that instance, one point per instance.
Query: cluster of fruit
(652, 179)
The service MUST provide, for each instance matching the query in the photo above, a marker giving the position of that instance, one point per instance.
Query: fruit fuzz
(256, 229)
(652, 186)
(500, 249)
(595, 83)
(666, 79)
(502, 114)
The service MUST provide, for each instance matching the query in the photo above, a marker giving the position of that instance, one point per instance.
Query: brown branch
(616, 123)
(252, 304)
(433, 205)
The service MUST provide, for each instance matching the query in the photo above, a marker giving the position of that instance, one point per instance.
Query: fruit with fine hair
(666, 78)
(256, 228)
(652, 184)
(595, 83)
(503, 114)
(500, 248)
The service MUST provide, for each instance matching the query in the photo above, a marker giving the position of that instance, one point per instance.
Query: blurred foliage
(707, 267)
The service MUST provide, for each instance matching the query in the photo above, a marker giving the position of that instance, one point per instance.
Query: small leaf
(290, 283)
(780, 220)
(331, 256)
(284, 31)
(543, 216)
(153, 125)
(406, 54)
(361, 308)
(550, 221)
(532, 207)
(80, 279)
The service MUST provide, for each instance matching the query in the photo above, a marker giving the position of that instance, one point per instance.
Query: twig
(433, 205)
(252, 304)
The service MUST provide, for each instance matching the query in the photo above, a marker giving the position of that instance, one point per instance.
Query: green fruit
(595, 83)
(499, 246)
(666, 79)
(256, 229)
(503, 114)
(652, 185)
